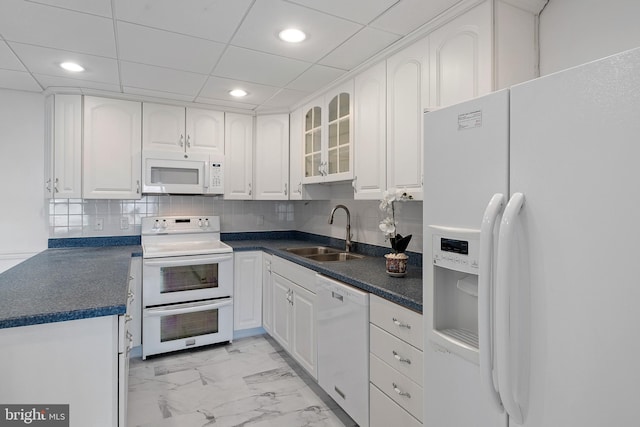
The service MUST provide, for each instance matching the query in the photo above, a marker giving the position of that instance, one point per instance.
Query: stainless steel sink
(336, 256)
(324, 254)
(312, 250)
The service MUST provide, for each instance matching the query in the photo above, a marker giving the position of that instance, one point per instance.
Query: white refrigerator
(532, 238)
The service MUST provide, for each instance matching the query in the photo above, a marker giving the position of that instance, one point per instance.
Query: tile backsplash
(91, 218)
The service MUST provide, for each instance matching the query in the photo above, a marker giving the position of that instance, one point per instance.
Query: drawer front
(298, 274)
(399, 321)
(385, 412)
(398, 387)
(396, 353)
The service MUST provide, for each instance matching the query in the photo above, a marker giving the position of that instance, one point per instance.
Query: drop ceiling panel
(161, 79)
(156, 47)
(258, 67)
(8, 60)
(218, 88)
(57, 28)
(359, 48)
(44, 60)
(47, 81)
(315, 78)
(361, 11)
(209, 19)
(268, 17)
(96, 7)
(408, 15)
(18, 80)
(284, 99)
(222, 103)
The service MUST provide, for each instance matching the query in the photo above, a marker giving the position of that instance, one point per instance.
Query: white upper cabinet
(179, 129)
(272, 157)
(112, 149)
(407, 96)
(63, 173)
(461, 58)
(238, 141)
(490, 47)
(370, 109)
(328, 137)
(295, 155)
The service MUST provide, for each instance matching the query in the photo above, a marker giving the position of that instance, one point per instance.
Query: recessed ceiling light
(292, 35)
(72, 66)
(238, 93)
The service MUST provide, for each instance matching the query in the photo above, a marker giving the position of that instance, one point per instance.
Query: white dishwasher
(343, 346)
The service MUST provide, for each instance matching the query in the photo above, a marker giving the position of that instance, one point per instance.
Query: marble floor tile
(252, 382)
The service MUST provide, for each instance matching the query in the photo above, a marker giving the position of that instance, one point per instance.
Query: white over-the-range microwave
(167, 172)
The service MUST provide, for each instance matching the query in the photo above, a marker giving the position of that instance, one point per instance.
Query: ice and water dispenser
(454, 308)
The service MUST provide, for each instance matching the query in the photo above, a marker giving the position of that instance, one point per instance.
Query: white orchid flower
(388, 197)
(388, 226)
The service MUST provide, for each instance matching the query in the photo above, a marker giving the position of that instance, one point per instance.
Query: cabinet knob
(188, 140)
(354, 184)
(138, 186)
(181, 140)
(249, 188)
(285, 189)
(55, 186)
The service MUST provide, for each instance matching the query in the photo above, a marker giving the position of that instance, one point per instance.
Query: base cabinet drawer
(385, 412)
(396, 353)
(397, 320)
(397, 386)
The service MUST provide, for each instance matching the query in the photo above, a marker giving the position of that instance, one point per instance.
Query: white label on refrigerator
(470, 120)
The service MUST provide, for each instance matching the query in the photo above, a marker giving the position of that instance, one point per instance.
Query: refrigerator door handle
(485, 301)
(503, 347)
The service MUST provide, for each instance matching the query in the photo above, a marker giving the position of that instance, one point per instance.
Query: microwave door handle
(187, 308)
(163, 262)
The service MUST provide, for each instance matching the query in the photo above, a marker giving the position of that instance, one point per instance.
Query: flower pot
(396, 264)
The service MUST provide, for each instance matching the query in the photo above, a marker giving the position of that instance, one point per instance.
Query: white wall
(573, 32)
(23, 230)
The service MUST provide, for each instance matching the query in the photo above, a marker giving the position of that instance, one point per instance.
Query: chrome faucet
(348, 243)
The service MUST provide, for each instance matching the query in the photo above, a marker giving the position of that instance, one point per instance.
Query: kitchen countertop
(78, 282)
(367, 273)
(66, 284)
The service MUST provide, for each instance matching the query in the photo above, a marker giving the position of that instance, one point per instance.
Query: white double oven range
(187, 284)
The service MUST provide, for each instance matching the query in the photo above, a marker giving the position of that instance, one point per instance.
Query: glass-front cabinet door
(339, 150)
(328, 137)
(313, 163)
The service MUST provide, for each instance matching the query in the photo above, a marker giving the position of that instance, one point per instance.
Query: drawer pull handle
(401, 359)
(400, 324)
(400, 392)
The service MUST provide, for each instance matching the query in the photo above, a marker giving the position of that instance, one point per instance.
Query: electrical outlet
(124, 223)
(99, 225)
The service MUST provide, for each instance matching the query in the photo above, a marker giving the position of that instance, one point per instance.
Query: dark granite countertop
(78, 281)
(367, 274)
(66, 284)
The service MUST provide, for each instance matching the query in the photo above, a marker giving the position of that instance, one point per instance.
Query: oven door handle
(187, 308)
(164, 262)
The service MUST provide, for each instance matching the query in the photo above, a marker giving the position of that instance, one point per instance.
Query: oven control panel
(180, 224)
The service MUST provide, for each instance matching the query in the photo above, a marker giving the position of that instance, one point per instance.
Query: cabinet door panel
(112, 149)
(370, 175)
(267, 293)
(238, 157)
(67, 147)
(247, 290)
(205, 131)
(272, 157)
(407, 94)
(163, 127)
(282, 310)
(304, 341)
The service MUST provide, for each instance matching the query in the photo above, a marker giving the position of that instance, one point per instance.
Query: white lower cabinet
(396, 365)
(294, 312)
(71, 362)
(247, 290)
